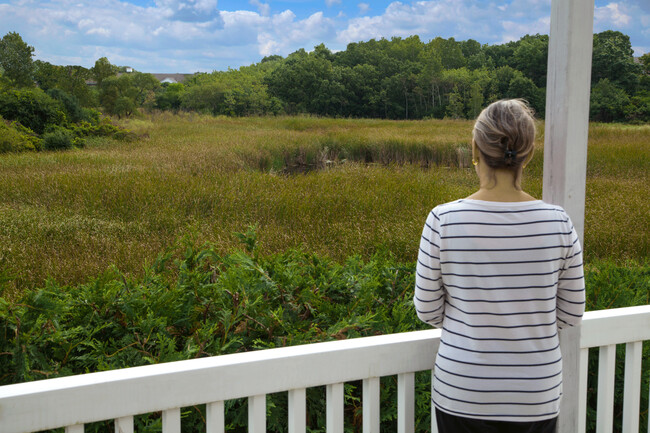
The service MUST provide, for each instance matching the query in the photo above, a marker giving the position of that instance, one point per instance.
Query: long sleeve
(571, 285)
(429, 298)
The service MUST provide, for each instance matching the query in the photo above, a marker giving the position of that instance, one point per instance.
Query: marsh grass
(335, 187)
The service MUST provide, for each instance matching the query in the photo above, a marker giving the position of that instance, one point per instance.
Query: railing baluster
(171, 421)
(297, 410)
(632, 387)
(257, 414)
(214, 417)
(434, 424)
(406, 403)
(79, 428)
(582, 390)
(124, 424)
(371, 405)
(605, 405)
(334, 409)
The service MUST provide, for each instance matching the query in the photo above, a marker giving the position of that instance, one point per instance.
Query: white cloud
(191, 35)
(513, 30)
(611, 14)
(263, 8)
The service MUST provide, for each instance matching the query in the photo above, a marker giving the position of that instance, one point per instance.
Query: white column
(565, 152)
(567, 106)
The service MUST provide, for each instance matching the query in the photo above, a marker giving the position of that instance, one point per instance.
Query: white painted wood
(171, 420)
(215, 418)
(54, 403)
(632, 386)
(406, 403)
(434, 423)
(78, 428)
(334, 401)
(124, 425)
(257, 414)
(570, 348)
(371, 418)
(297, 410)
(615, 326)
(605, 404)
(567, 106)
(36, 406)
(582, 391)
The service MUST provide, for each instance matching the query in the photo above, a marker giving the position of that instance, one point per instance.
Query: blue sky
(206, 35)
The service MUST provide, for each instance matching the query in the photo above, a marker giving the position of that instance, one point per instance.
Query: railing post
(569, 406)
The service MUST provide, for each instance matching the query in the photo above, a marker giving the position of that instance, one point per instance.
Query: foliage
(193, 302)
(121, 95)
(16, 60)
(400, 78)
(31, 107)
(608, 102)
(103, 69)
(613, 59)
(58, 139)
(13, 138)
(611, 286)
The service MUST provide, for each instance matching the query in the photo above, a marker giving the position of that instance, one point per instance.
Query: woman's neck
(498, 185)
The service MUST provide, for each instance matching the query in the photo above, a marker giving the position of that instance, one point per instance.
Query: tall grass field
(332, 187)
(218, 235)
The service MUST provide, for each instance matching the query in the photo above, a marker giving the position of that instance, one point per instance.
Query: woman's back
(496, 276)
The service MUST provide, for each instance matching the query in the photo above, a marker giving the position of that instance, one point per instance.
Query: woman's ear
(529, 157)
(475, 152)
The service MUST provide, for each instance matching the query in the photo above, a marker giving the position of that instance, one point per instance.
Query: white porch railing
(120, 394)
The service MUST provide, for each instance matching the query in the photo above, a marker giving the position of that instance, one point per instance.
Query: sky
(186, 36)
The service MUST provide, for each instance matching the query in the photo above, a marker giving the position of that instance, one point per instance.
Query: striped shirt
(499, 278)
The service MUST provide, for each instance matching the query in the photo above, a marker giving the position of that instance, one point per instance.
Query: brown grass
(362, 185)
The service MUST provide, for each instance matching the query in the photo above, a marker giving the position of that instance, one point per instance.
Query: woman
(499, 272)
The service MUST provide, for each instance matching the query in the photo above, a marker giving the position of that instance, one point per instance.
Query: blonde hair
(504, 133)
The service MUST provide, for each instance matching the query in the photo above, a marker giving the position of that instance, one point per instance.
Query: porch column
(565, 154)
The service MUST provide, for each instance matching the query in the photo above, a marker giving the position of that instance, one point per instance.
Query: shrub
(31, 107)
(59, 139)
(193, 302)
(14, 137)
(13, 141)
(73, 108)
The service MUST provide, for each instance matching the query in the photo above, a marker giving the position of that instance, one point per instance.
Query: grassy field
(332, 187)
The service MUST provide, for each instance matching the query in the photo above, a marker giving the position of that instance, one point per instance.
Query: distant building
(172, 78)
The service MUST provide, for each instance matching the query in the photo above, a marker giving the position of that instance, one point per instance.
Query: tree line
(400, 78)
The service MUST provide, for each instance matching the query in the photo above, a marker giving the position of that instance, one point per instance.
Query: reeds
(336, 187)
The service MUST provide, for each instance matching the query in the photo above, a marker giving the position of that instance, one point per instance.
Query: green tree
(456, 106)
(450, 52)
(531, 58)
(608, 102)
(16, 60)
(46, 74)
(72, 80)
(103, 69)
(613, 59)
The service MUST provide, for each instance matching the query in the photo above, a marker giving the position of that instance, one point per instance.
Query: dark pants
(455, 424)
